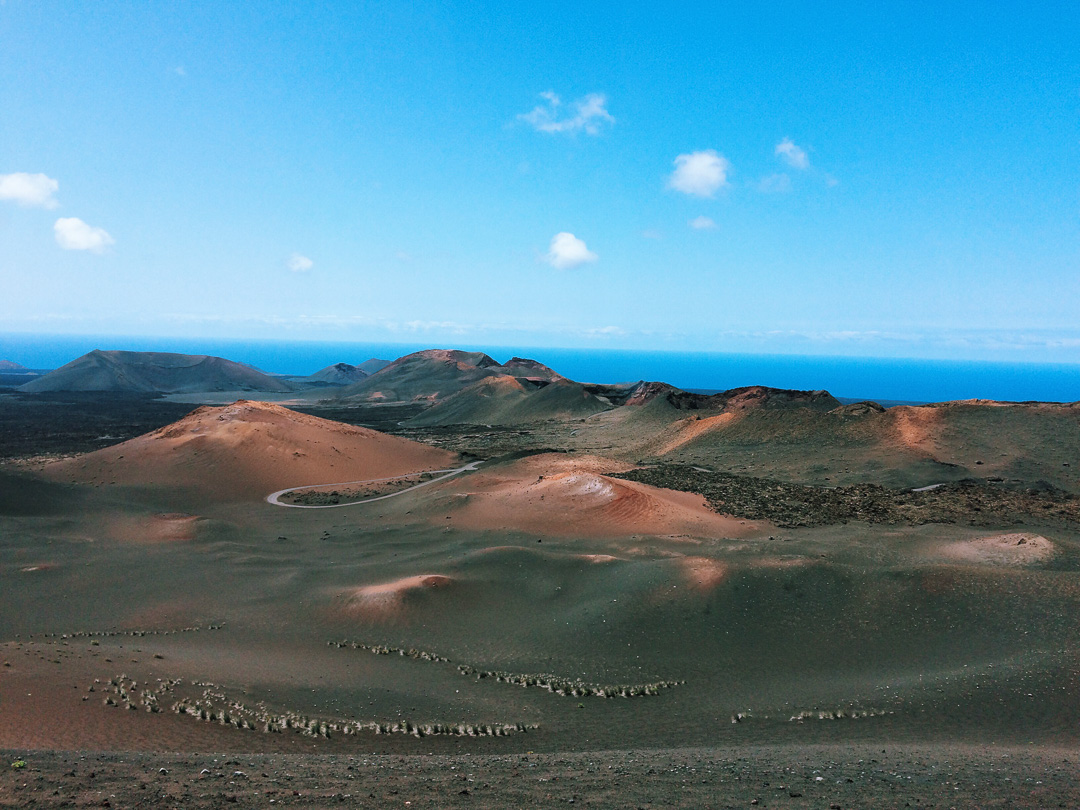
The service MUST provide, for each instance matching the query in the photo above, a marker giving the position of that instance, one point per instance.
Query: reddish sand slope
(917, 428)
(690, 429)
(248, 449)
(1013, 549)
(566, 496)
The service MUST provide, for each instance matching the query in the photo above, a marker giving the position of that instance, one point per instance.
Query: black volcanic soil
(976, 502)
(385, 418)
(833, 776)
(333, 495)
(475, 441)
(64, 423)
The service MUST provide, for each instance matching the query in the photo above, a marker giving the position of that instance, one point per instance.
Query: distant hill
(810, 437)
(473, 388)
(659, 418)
(506, 400)
(373, 365)
(746, 398)
(14, 374)
(753, 397)
(435, 374)
(430, 375)
(337, 374)
(154, 372)
(636, 393)
(530, 369)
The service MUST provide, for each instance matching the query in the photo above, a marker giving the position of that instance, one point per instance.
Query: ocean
(880, 379)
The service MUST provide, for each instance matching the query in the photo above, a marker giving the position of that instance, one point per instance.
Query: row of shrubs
(214, 706)
(552, 683)
(127, 692)
(837, 714)
(568, 687)
(379, 649)
(318, 727)
(136, 633)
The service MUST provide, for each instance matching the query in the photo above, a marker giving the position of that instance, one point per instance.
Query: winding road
(275, 497)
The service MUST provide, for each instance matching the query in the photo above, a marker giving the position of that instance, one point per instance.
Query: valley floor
(558, 625)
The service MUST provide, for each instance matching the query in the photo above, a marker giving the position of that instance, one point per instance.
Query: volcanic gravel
(977, 502)
(881, 776)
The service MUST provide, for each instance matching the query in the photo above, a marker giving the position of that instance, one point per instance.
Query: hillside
(799, 438)
(530, 370)
(154, 373)
(506, 400)
(435, 374)
(342, 373)
(372, 365)
(337, 374)
(247, 450)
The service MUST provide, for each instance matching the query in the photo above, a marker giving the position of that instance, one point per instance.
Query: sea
(885, 380)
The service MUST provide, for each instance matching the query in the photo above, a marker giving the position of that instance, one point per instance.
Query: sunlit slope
(248, 449)
(506, 400)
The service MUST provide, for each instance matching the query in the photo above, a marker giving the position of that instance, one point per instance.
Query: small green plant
(18, 764)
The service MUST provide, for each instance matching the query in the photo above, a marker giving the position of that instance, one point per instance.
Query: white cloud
(604, 332)
(791, 154)
(29, 189)
(588, 113)
(774, 184)
(179, 70)
(652, 233)
(299, 264)
(566, 251)
(74, 234)
(447, 326)
(700, 173)
(702, 223)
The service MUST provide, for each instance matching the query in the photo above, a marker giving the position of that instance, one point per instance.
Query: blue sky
(894, 180)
